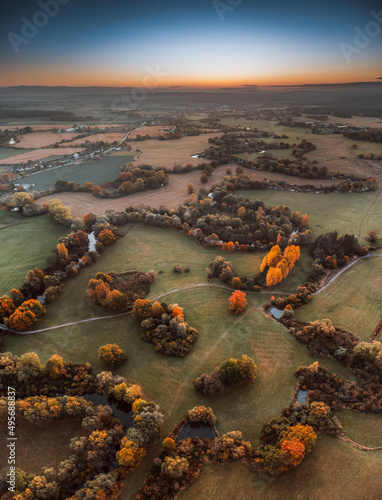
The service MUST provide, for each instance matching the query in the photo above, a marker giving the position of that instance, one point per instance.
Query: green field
(168, 380)
(353, 300)
(95, 171)
(9, 152)
(353, 213)
(333, 471)
(25, 243)
(363, 428)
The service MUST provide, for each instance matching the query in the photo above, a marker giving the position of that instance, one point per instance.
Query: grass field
(333, 471)
(352, 213)
(353, 300)
(42, 446)
(168, 380)
(25, 243)
(363, 428)
(9, 152)
(96, 171)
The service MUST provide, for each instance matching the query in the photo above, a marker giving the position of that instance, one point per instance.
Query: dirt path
(356, 445)
(343, 270)
(268, 292)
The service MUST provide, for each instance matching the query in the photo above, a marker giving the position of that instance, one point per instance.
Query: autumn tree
(112, 355)
(237, 302)
(62, 251)
(142, 309)
(130, 453)
(107, 237)
(56, 366)
(372, 236)
(203, 178)
(174, 467)
(7, 307)
(26, 315)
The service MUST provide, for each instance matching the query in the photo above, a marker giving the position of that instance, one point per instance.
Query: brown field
(335, 152)
(36, 128)
(171, 195)
(42, 139)
(40, 154)
(150, 130)
(172, 152)
(107, 137)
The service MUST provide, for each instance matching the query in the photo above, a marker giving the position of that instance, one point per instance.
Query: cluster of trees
(279, 264)
(286, 440)
(338, 393)
(331, 250)
(358, 134)
(295, 300)
(91, 471)
(231, 371)
(118, 292)
(165, 327)
(222, 270)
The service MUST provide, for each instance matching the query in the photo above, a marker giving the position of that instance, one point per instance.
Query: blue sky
(94, 42)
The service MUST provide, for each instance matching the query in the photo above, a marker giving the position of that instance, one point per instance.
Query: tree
(174, 467)
(304, 433)
(203, 178)
(190, 188)
(130, 453)
(372, 236)
(237, 302)
(295, 448)
(112, 355)
(62, 251)
(7, 307)
(157, 310)
(107, 237)
(30, 367)
(26, 315)
(142, 309)
(56, 366)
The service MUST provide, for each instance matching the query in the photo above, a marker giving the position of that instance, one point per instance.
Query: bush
(112, 355)
(177, 268)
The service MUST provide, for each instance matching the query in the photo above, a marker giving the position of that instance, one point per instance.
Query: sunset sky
(196, 43)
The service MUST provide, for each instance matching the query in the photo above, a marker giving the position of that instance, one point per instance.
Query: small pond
(126, 417)
(276, 313)
(195, 430)
(302, 396)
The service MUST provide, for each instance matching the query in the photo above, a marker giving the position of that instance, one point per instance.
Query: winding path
(189, 287)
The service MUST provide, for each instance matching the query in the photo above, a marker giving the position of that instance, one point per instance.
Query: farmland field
(172, 152)
(95, 171)
(8, 152)
(109, 137)
(39, 154)
(42, 139)
(150, 130)
(25, 243)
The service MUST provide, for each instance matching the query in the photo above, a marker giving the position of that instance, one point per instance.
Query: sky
(201, 43)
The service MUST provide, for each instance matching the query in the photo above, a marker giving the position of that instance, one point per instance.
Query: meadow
(168, 380)
(353, 213)
(333, 470)
(25, 243)
(95, 171)
(357, 312)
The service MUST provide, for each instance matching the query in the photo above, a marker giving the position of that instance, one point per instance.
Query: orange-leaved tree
(279, 263)
(237, 301)
(142, 309)
(26, 315)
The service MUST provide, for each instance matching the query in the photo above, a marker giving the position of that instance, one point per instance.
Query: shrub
(112, 355)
